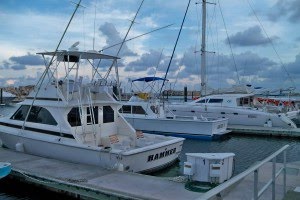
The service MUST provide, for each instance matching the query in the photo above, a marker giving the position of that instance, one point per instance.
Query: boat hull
(136, 160)
(183, 128)
(236, 116)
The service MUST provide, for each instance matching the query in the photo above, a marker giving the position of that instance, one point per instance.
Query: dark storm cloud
(28, 59)
(250, 63)
(21, 62)
(113, 37)
(250, 37)
(294, 67)
(146, 61)
(289, 9)
(18, 67)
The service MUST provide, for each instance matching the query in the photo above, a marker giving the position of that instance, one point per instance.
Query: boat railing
(215, 192)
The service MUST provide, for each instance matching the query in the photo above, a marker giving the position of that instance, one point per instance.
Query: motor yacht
(75, 119)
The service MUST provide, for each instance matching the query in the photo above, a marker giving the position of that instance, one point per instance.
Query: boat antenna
(40, 81)
(187, 8)
(94, 26)
(115, 60)
(135, 37)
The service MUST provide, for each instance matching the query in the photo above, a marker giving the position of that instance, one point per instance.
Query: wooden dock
(91, 181)
(95, 183)
(265, 131)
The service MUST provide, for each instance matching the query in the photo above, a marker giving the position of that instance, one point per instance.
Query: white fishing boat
(71, 118)
(149, 114)
(237, 107)
(5, 169)
(79, 122)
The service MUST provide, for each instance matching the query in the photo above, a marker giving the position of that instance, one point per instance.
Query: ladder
(91, 114)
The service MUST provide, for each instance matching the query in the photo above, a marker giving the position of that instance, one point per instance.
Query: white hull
(136, 160)
(183, 127)
(236, 116)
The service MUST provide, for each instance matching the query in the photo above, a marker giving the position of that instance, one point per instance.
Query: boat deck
(264, 131)
(96, 183)
(92, 181)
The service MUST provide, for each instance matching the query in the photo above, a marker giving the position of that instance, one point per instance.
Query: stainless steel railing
(254, 169)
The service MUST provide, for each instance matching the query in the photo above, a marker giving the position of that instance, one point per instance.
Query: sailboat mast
(203, 50)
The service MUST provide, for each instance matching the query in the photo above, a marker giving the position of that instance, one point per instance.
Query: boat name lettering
(161, 155)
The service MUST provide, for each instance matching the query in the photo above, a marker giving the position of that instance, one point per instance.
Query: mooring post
(185, 93)
(1, 95)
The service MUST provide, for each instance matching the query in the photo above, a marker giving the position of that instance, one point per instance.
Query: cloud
(250, 37)
(20, 81)
(146, 61)
(18, 67)
(29, 59)
(112, 38)
(21, 62)
(288, 8)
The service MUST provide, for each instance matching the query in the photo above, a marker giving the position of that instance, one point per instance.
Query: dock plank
(92, 180)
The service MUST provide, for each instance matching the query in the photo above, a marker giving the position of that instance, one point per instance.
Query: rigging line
(237, 73)
(41, 80)
(172, 91)
(272, 44)
(187, 8)
(124, 39)
(136, 37)
(195, 48)
(159, 59)
(94, 26)
(83, 30)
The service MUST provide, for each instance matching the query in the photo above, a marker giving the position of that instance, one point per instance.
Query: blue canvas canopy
(149, 79)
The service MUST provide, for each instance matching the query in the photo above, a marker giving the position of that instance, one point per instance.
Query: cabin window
(74, 117)
(36, 115)
(125, 109)
(138, 110)
(215, 100)
(21, 113)
(154, 109)
(89, 114)
(108, 114)
(201, 101)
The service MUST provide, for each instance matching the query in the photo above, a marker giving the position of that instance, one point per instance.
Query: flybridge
(67, 56)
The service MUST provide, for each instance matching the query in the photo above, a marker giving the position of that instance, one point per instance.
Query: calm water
(248, 150)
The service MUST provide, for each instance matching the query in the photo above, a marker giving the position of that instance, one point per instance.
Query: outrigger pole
(187, 8)
(40, 82)
(163, 27)
(114, 62)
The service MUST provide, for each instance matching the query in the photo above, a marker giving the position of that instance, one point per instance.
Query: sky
(247, 41)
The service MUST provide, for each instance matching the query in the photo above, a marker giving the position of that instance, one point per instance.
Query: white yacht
(238, 108)
(152, 116)
(68, 118)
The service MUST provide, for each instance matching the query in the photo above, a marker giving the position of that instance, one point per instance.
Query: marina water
(248, 150)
